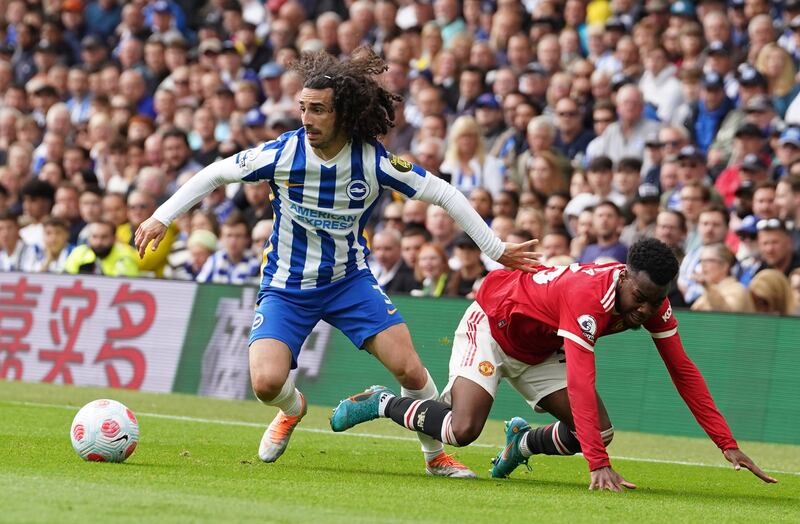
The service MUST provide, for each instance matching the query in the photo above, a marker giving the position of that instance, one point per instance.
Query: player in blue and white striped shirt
(326, 178)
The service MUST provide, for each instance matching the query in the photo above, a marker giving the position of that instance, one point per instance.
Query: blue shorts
(355, 305)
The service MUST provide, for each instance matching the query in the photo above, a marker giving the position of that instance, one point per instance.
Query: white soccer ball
(104, 431)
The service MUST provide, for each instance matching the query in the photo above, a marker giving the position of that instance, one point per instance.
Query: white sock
(430, 448)
(523, 445)
(288, 400)
(384, 400)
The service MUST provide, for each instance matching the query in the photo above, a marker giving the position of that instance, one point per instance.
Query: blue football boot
(507, 460)
(361, 407)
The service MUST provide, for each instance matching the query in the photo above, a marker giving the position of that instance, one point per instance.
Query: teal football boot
(361, 407)
(507, 460)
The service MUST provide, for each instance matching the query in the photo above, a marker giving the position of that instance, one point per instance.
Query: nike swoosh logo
(121, 437)
(292, 184)
(507, 451)
(391, 311)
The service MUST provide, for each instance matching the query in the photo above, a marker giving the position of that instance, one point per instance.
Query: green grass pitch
(197, 462)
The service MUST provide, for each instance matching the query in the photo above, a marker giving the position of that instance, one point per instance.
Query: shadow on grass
(708, 496)
(339, 470)
(705, 495)
(419, 474)
(123, 465)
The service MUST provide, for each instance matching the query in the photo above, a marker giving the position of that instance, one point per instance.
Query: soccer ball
(104, 431)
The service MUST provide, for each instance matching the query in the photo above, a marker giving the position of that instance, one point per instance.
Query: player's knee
(412, 374)
(466, 431)
(267, 387)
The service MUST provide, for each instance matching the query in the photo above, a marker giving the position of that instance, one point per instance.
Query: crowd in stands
(585, 124)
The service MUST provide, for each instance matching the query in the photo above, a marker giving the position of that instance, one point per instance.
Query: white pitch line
(370, 435)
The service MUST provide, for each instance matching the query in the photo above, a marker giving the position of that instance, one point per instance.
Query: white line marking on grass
(369, 435)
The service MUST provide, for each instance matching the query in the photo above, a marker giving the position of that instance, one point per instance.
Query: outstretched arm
(583, 402)
(692, 388)
(516, 256)
(209, 178)
(193, 191)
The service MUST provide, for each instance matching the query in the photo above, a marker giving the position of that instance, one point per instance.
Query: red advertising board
(89, 330)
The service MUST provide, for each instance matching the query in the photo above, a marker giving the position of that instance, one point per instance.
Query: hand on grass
(607, 478)
(739, 460)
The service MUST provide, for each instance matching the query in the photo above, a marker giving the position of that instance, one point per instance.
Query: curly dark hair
(655, 258)
(363, 107)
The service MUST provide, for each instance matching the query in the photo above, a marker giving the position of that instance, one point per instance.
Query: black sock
(430, 417)
(553, 439)
(556, 439)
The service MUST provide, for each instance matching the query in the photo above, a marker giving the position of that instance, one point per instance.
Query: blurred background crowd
(584, 124)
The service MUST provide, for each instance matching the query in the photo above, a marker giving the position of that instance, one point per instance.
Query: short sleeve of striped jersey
(401, 175)
(258, 163)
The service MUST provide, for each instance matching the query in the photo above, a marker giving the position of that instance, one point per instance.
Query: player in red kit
(538, 332)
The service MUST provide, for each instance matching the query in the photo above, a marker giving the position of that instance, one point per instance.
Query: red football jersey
(533, 315)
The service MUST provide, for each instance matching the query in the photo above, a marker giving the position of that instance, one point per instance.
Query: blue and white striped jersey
(220, 270)
(321, 207)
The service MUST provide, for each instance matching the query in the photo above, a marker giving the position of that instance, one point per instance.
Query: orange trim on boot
(284, 424)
